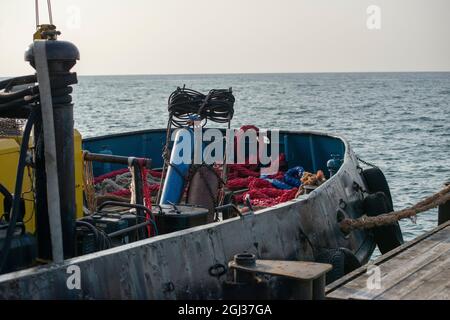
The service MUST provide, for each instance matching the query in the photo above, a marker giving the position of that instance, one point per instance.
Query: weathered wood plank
(443, 294)
(395, 270)
(384, 258)
(422, 283)
(405, 274)
(391, 277)
(430, 248)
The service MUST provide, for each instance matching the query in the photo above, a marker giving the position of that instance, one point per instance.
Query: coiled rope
(365, 222)
(186, 105)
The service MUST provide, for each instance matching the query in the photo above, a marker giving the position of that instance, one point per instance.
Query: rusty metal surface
(300, 270)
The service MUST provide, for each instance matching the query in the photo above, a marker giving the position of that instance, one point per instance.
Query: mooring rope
(88, 185)
(365, 222)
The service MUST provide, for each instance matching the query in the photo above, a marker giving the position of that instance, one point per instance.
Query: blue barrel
(178, 169)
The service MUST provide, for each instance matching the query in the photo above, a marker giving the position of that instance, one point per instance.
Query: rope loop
(365, 222)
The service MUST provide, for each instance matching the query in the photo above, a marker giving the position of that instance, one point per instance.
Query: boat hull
(177, 265)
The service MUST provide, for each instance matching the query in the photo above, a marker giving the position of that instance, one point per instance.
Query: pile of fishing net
(118, 183)
(270, 190)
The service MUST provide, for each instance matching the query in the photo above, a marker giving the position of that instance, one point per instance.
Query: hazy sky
(236, 36)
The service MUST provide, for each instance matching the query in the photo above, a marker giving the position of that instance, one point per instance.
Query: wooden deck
(419, 269)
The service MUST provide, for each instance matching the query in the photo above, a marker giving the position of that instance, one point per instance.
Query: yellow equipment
(9, 157)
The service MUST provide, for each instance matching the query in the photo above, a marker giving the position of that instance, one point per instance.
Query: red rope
(262, 192)
(146, 190)
(121, 193)
(110, 175)
(154, 173)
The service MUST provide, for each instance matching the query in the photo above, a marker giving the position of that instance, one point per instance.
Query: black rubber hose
(5, 192)
(6, 97)
(131, 205)
(132, 228)
(59, 96)
(15, 104)
(18, 189)
(58, 81)
(94, 231)
(10, 96)
(9, 83)
(18, 113)
(126, 205)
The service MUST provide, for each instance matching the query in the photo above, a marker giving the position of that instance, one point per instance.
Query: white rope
(50, 15)
(36, 8)
(49, 9)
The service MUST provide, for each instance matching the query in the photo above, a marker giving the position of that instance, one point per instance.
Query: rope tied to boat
(365, 222)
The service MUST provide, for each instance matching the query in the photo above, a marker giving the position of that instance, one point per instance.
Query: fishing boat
(169, 243)
(178, 265)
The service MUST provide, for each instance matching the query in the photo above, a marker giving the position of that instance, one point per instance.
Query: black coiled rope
(186, 105)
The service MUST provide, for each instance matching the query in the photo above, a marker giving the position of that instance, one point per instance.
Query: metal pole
(107, 158)
(138, 194)
(54, 153)
(51, 168)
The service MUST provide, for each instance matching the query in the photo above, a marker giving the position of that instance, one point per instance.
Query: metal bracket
(309, 277)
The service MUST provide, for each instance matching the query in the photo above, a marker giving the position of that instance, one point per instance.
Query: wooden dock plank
(418, 271)
(423, 283)
(443, 294)
(382, 259)
(406, 263)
